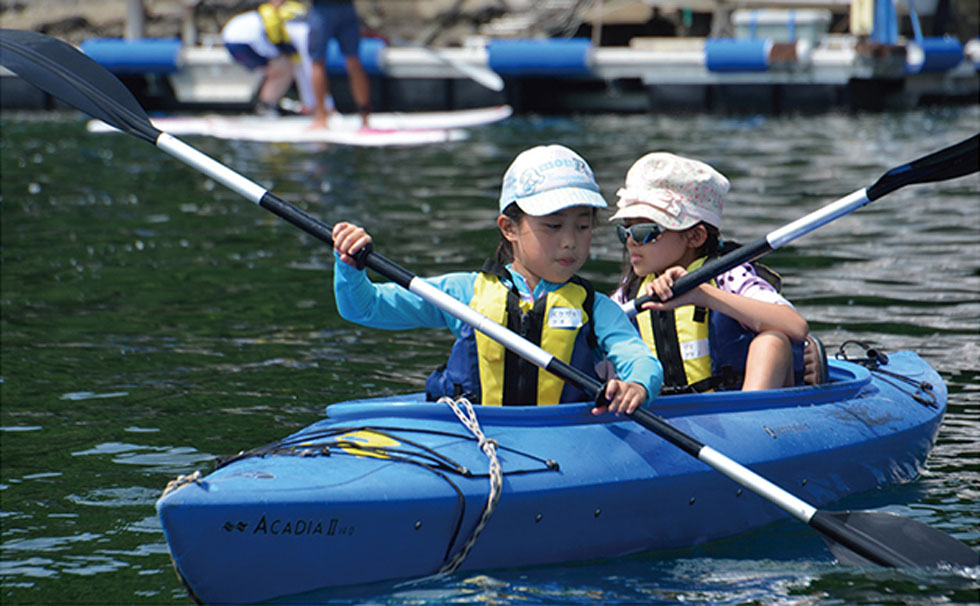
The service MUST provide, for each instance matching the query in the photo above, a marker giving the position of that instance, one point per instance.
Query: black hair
(505, 250)
(629, 282)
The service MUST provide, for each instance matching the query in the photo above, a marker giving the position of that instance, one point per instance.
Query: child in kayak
(548, 205)
(735, 331)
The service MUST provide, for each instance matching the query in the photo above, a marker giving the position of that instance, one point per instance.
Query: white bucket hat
(672, 191)
(549, 178)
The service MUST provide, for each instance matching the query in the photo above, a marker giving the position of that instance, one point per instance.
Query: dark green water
(152, 320)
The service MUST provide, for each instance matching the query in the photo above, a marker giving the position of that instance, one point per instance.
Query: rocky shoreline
(428, 22)
(442, 22)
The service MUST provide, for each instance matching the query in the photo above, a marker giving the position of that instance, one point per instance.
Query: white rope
(489, 448)
(182, 480)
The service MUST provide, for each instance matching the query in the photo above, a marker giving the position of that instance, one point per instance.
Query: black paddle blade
(954, 161)
(922, 545)
(58, 68)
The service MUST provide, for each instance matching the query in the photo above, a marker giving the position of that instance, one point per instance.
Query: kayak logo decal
(278, 526)
(366, 443)
(294, 527)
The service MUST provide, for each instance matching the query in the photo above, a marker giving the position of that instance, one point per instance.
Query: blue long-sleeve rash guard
(389, 306)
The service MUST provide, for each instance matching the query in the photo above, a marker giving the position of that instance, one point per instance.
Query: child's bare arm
(756, 315)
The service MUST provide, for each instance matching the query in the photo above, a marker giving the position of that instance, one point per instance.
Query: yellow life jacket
(683, 346)
(559, 323)
(274, 19)
(700, 349)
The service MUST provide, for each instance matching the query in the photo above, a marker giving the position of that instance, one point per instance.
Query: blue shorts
(244, 54)
(333, 20)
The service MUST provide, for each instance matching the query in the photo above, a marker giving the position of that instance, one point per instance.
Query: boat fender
(933, 55)
(135, 57)
(728, 55)
(551, 57)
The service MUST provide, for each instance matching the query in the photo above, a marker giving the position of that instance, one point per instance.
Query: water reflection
(152, 320)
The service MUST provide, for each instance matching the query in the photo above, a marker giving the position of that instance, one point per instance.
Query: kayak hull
(390, 488)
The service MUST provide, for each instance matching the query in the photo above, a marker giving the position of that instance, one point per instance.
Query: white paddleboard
(413, 128)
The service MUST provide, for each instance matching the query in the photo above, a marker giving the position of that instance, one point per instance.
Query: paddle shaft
(483, 76)
(954, 161)
(757, 248)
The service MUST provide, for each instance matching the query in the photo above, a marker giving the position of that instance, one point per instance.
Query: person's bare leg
(321, 88)
(360, 87)
(769, 363)
(278, 79)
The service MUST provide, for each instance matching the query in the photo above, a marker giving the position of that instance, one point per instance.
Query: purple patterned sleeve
(743, 280)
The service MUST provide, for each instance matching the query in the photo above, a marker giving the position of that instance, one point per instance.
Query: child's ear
(696, 236)
(508, 228)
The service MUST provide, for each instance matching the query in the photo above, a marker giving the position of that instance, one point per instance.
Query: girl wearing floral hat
(735, 331)
(548, 206)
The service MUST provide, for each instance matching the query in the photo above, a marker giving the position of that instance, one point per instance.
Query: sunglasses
(642, 233)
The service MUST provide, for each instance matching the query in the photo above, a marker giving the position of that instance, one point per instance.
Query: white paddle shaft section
(746, 477)
(485, 77)
(480, 322)
(210, 167)
(818, 218)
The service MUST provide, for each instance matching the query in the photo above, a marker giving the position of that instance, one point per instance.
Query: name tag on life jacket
(564, 317)
(693, 350)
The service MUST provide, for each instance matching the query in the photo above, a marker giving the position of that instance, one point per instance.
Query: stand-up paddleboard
(415, 128)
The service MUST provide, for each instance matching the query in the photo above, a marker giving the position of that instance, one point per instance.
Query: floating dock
(779, 60)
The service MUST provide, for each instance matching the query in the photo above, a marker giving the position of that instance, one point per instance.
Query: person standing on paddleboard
(735, 331)
(337, 19)
(548, 205)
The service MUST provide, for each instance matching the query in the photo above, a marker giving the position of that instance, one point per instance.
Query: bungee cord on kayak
(874, 359)
(351, 441)
(308, 443)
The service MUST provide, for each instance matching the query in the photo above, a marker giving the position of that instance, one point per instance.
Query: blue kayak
(393, 488)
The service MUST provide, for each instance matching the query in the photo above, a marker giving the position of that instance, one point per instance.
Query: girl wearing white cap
(547, 208)
(734, 331)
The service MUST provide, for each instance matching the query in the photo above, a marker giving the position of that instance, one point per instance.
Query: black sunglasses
(642, 233)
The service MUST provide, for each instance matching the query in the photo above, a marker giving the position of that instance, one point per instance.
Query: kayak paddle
(484, 76)
(859, 537)
(948, 163)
